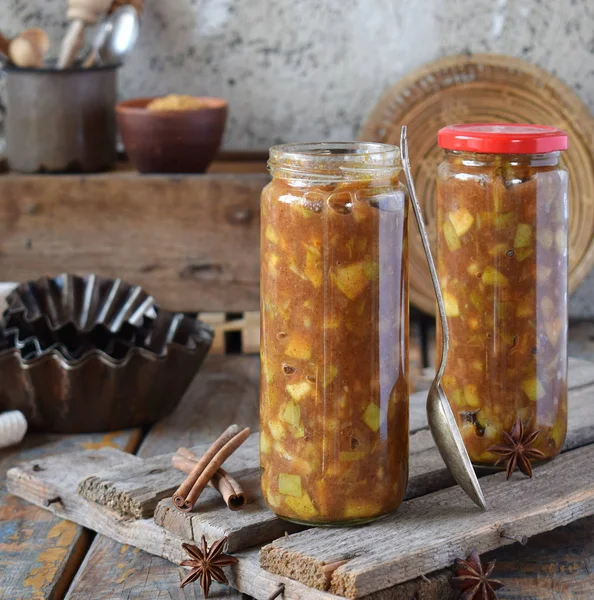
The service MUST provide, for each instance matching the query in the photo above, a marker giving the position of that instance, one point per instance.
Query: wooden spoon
(81, 13)
(29, 48)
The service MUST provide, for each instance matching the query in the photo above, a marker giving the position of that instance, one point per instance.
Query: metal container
(99, 393)
(61, 121)
(82, 354)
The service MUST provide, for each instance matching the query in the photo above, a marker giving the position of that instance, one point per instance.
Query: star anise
(207, 564)
(517, 450)
(473, 580)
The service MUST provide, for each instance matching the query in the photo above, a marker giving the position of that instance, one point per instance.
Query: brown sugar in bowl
(171, 141)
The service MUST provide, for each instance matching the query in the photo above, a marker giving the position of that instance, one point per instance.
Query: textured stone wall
(312, 69)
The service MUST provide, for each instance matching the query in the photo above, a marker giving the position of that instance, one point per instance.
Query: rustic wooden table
(114, 225)
(44, 557)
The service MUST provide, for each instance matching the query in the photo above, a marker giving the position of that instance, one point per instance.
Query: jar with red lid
(502, 222)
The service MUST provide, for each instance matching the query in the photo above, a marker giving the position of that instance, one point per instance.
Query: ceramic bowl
(171, 141)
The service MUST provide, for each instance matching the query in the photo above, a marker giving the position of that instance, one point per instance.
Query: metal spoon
(116, 38)
(439, 413)
(122, 36)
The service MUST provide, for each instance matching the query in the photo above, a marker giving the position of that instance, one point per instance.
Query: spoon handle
(71, 43)
(425, 241)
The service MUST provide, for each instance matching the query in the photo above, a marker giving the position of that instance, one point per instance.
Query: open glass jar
(502, 220)
(334, 333)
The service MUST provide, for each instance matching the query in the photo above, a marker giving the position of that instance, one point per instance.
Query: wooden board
(556, 564)
(451, 525)
(427, 471)
(115, 571)
(397, 549)
(486, 88)
(136, 486)
(168, 234)
(227, 391)
(39, 552)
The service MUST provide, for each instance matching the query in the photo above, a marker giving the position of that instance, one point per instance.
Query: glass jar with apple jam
(334, 333)
(502, 227)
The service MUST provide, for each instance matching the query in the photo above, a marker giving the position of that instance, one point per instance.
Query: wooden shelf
(192, 240)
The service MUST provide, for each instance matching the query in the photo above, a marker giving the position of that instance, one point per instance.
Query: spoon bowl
(120, 35)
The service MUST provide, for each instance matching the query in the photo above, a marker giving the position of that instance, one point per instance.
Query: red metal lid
(502, 138)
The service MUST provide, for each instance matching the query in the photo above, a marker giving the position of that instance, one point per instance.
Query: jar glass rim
(334, 159)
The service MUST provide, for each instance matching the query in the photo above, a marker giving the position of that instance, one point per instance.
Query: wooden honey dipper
(81, 13)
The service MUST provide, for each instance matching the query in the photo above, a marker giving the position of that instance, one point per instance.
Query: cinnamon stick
(231, 491)
(221, 456)
(179, 497)
(207, 467)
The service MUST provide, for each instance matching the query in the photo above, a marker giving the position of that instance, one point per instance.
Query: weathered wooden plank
(254, 525)
(225, 392)
(59, 475)
(138, 484)
(130, 567)
(150, 577)
(397, 549)
(135, 486)
(193, 242)
(128, 485)
(112, 568)
(39, 552)
(392, 550)
(556, 564)
(58, 479)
